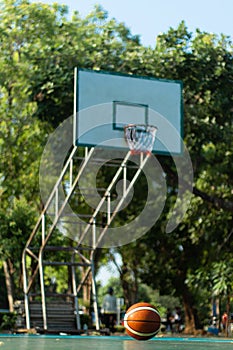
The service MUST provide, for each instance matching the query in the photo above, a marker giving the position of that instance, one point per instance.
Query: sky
(148, 18)
(106, 272)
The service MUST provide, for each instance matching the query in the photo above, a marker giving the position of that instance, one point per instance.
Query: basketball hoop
(140, 137)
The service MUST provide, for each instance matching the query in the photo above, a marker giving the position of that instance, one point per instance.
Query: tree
(16, 224)
(208, 136)
(166, 260)
(21, 142)
(40, 48)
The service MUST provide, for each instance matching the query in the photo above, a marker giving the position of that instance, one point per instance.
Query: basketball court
(39, 342)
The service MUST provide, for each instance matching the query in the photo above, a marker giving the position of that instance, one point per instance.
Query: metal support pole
(43, 301)
(74, 287)
(56, 202)
(102, 201)
(86, 152)
(141, 158)
(94, 233)
(123, 198)
(124, 179)
(26, 301)
(71, 173)
(108, 208)
(94, 294)
(43, 228)
(50, 199)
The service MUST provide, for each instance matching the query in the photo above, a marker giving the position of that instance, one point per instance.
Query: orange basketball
(142, 321)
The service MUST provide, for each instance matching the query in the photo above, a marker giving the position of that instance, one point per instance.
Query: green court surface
(47, 342)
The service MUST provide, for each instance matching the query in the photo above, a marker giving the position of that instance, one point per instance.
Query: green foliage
(53, 47)
(56, 279)
(7, 321)
(212, 281)
(222, 277)
(16, 225)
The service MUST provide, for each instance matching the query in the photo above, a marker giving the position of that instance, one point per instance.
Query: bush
(119, 328)
(7, 320)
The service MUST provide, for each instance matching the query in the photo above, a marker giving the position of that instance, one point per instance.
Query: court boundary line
(114, 338)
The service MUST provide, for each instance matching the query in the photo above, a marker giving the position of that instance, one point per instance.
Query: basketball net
(140, 137)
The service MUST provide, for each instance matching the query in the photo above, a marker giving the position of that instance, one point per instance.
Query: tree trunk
(228, 313)
(129, 286)
(190, 322)
(87, 292)
(9, 286)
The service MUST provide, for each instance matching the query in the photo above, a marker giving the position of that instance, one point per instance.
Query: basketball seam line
(139, 333)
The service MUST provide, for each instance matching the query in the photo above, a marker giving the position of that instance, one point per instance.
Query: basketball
(142, 321)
